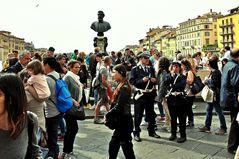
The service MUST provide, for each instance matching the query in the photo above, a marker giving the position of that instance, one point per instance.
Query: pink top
(40, 84)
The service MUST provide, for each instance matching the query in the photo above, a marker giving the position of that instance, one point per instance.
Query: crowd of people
(148, 77)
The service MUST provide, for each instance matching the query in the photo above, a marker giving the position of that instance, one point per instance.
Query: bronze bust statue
(100, 26)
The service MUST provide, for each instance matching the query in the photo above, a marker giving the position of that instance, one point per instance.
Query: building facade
(198, 34)
(228, 29)
(10, 43)
(169, 45)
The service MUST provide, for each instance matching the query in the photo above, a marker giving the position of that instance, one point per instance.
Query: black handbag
(77, 112)
(197, 85)
(111, 121)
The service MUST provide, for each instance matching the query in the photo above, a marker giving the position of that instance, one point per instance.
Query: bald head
(235, 53)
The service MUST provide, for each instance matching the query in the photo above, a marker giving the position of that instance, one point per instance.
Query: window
(207, 33)
(207, 41)
(206, 27)
(215, 33)
(215, 26)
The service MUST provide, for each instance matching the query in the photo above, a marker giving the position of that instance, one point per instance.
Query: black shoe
(137, 138)
(231, 151)
(154, 135)
(172, 137)
(181, 139)
(189, 125)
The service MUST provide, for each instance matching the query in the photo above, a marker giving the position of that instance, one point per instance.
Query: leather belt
(177, 93)
(144, 91)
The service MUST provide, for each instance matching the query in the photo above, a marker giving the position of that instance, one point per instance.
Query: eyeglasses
(146, 58)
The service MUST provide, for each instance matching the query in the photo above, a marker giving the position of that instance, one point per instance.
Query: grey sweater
(50, 108)
(16, 149)
(73, 87)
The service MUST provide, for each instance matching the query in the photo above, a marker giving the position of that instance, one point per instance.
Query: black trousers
(177, 109)
(144, 103)
(71, 131)
(52, 128)
(125, 144)
(189, 109)
(233, 138)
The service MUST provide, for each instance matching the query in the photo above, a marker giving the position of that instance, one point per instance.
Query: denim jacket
(230, 84)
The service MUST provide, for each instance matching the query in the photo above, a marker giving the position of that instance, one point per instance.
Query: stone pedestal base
(102, 43)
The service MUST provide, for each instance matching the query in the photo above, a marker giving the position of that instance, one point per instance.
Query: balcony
(227, 33)
(226, 25)
(225, 41)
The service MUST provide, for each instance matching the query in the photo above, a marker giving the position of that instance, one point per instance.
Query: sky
(65, 24)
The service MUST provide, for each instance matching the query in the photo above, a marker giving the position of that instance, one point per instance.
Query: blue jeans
(219, 112)
(95, 96)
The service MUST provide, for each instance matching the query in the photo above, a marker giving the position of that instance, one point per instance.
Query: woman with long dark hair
(189, 73)
(163, 68)
(214, 82)
(14, 119)
(120, 110)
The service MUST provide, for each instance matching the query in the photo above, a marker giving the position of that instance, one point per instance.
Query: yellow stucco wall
(235, 30)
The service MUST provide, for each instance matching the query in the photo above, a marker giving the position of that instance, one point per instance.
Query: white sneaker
(194, 106)
(165, 128)
(65, 156)
(92, 107)
(102, 108)
(144, 123)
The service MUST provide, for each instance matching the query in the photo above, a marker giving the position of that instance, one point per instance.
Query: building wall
(228, 31)
(10, 43)
(195, 34)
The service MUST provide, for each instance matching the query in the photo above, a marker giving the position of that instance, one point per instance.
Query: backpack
(63, 96)
(97, 80)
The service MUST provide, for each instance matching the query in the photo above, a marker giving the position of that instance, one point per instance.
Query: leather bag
(197, 85)
(207, 94)
(77, 112)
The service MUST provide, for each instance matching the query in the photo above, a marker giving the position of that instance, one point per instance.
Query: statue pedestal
(102, 43)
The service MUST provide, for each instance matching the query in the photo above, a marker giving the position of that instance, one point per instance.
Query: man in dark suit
(23, 59)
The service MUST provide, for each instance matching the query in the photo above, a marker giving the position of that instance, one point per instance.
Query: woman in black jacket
(120, 113)
(162, 90)
(214, 83)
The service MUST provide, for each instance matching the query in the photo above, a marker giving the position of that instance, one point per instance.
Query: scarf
(116, 92)
(76, 78)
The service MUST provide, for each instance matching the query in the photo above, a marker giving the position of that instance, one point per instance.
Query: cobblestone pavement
(92, 142)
